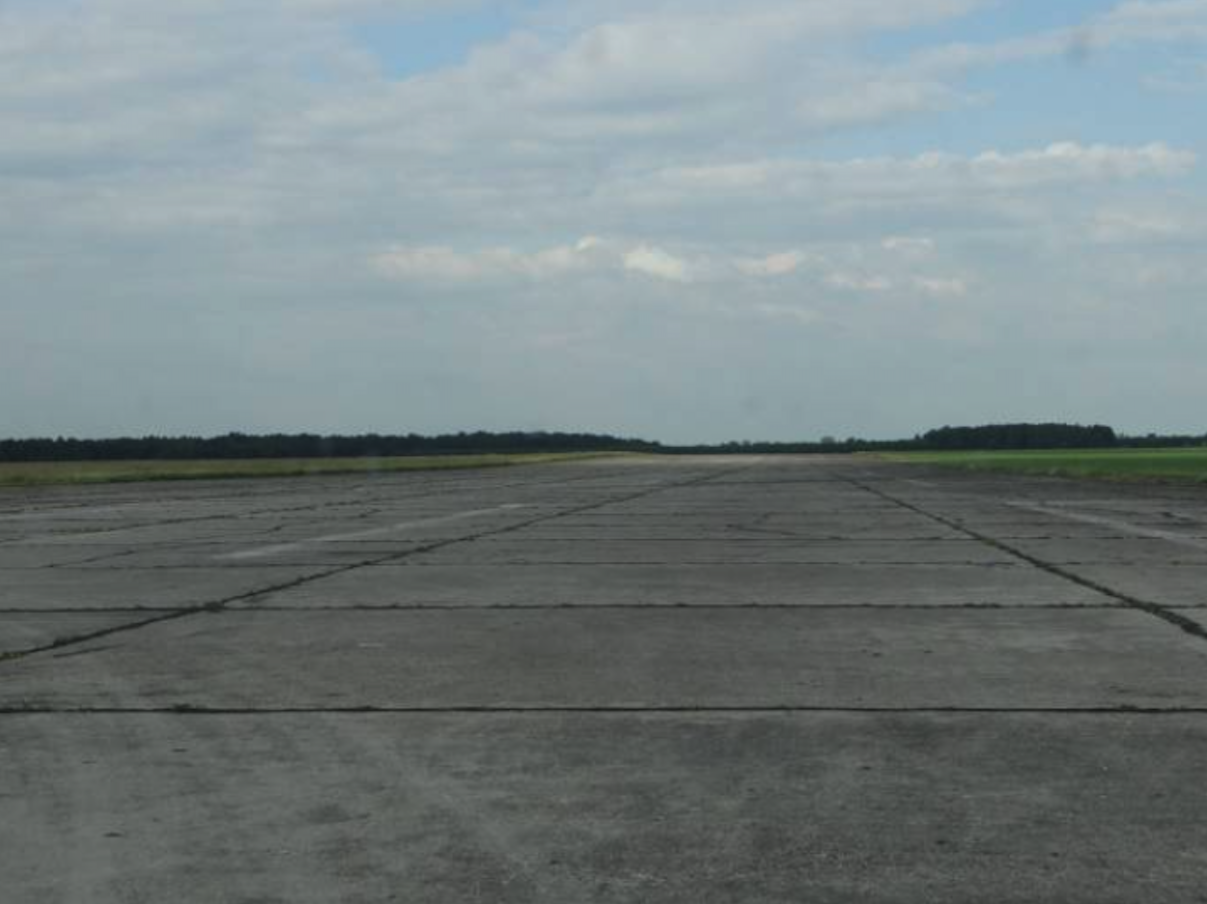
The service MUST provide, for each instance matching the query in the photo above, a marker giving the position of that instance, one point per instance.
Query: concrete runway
(666, 680)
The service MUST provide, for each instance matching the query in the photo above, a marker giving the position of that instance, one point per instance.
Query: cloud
(664, 78)
(379, 7)
(1124, 226)
(909, 246)
(1059, 162)
(281, 107)
(589, 255)
(874, 99)
(1158, 20)
(822, 18)
(890, 268)
(208, 177)
(1184, 76)
(280, 9)
(941, 287)
(879, 284)
(444, 264)
(655, 262)
(794, 314)
(783, 263)
(857, 282)
(1070, 161)
(933, 186)
(1128, 23)
(440, 263)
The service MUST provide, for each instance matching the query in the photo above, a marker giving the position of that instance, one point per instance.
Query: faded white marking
(282, 548)
(1126, 527)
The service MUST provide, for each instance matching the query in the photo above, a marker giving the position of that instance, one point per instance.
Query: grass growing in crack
(25, 474)
(1183, 465)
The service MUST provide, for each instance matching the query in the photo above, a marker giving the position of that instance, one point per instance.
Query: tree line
(1048, 436)
(1020, 436)
(310, 445)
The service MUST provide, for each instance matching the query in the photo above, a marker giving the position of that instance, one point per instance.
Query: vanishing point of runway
(699, 680)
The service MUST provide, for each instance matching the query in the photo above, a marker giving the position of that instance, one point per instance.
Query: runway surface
(631, 680)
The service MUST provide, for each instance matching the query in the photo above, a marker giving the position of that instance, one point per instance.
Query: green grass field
(25, 474)
(1182, 465)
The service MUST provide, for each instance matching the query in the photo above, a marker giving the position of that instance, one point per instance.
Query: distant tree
(1020, 436)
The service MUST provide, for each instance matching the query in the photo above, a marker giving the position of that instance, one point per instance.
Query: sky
(685, 220)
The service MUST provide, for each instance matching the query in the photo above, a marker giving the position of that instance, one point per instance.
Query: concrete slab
(686, 552)
(689, 585)
(1066, 531)
(693, 809)
(713, 659)
(22, 556)
(1168, 585)
(1070, 773)
(22, 631)
(1195, 614)
(48, 589)
(1119, 551)
(639, 529)
(257, 552)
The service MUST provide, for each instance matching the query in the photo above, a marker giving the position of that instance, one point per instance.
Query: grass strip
(64, 473)
(1186, 465)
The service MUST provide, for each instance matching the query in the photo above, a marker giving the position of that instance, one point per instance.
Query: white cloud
(395, 7)
(702, 59)
(228, 101)
(444, 264)
(280, 8)
(1069, 161)
(1124, 226)
(822, 21)
(857, 282)
(910, 246)
(438, 263)
(926, 180)
(663, 78)
(655, 262)
(792, 313)
(1159, 20)
(887, 268)
(1132, 22)
(941, 287)
(591, 254)
(782, 263)
(873, 99)
(1184, 77)
(846, 268)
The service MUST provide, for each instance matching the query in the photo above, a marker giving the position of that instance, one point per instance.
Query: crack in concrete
(1165, 614)
(34, 511)
(85, 610)
(188, 709)
(104, 557)
(249, 596)
(719, 607)
(728, 563)
(1126, 527)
